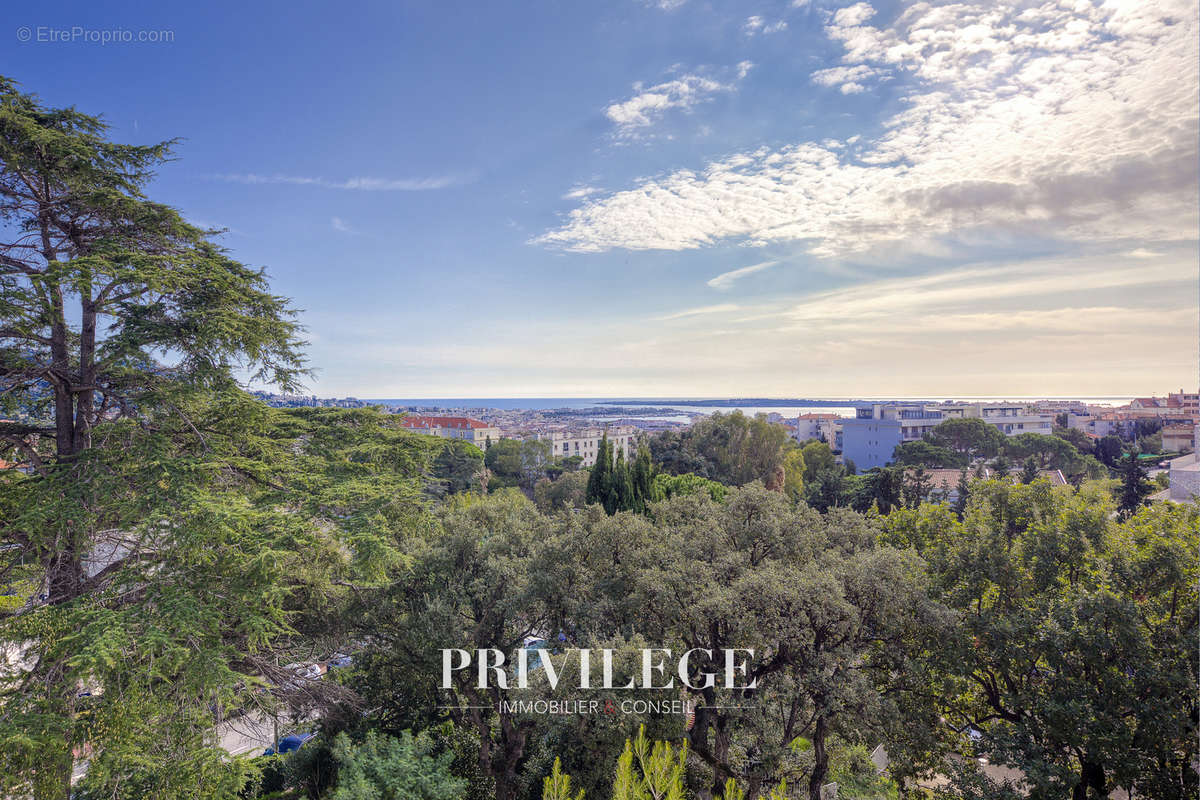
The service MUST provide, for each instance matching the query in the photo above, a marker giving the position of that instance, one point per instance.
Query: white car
(304, 671)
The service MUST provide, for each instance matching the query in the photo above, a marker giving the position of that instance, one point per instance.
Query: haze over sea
(788, 407)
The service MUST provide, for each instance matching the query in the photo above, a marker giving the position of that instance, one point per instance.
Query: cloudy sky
(683, 197)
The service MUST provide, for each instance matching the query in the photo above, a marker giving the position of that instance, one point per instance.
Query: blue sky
(680, 197)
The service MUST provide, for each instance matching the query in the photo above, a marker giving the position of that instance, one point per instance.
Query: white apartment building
(871, 436)
(1098, 426)
(1185, 476)
(584, 443)
(816, 426)
(1011, 419)
(475, 431)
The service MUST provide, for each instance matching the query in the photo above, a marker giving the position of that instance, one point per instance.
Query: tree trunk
(1091, 776)
(64, 568)
(85, 392)
(512, 747)
(720, 746)
(820, 759)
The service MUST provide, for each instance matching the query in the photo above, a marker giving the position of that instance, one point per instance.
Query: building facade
(1178, 438)
(475, 431)
(816, 426)
(1188, 402)
(1185, 479)
(1011, 419)
(870, 438)
(584, 443)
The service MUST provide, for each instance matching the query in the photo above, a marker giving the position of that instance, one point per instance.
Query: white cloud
(727, 279)
(721, 308)
(755, 25)
(969, 290)
(580, 192)
(650, 103)
(853, 15)
(1078, 123)
(362, 183)
(340, 225)
(844, 77)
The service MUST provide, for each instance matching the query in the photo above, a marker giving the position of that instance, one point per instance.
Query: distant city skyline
(694, 198)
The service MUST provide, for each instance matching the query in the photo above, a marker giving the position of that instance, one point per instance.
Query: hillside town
(868, 439)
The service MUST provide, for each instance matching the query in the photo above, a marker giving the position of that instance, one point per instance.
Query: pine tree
(1134, 486)
(1001, 465)
(1029, 471)
(123, 331)
(557, 785)
(963, 489)
(916, 487)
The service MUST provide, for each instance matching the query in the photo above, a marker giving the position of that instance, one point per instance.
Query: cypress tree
(960, 502)
(598, 478)
(643, 479)
(623, 496)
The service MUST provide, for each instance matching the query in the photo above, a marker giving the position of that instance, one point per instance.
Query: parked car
(289, 744)
(339, 660)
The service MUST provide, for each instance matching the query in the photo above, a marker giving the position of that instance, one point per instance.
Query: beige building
(584, 443)
(1178, 438)
(1011, 419)
(475, 431)
(816, 426)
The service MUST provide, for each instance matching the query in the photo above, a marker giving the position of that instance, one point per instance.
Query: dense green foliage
(1074, 653)
(957, 443)
(907, 650)
(517, 462)
(393, 768)
(732, 449)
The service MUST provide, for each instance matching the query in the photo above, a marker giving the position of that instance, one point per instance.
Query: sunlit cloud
(1077, 124)
(650, 103)
(727, 279)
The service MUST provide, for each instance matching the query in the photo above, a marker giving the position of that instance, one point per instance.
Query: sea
(787, 407)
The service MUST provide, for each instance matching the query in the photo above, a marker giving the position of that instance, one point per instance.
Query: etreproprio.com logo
(78, 34)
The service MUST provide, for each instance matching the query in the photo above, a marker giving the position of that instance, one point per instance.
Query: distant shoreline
(760, 402)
